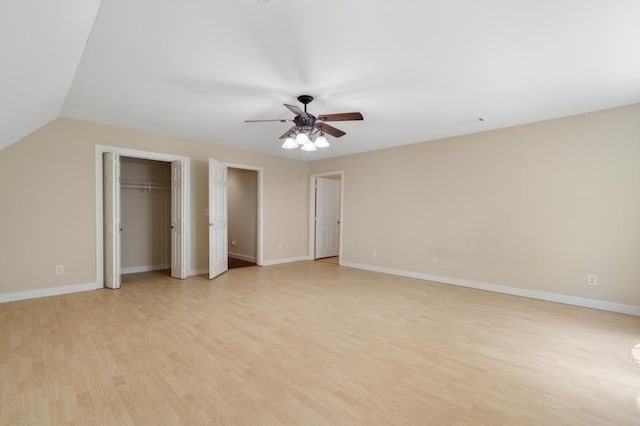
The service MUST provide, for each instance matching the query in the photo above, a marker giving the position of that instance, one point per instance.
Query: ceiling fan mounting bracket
(305, 99)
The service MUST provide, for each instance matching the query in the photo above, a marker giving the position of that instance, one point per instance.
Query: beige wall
(537, 206)
(47, 193)
(242, 202)
(145, 214)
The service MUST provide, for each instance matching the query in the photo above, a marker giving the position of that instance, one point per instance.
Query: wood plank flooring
(313, 343)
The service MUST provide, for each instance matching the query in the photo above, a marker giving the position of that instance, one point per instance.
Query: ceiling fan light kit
(308, 130)
(290, 143)
(309, 146)
(321, 141)
(302, 138)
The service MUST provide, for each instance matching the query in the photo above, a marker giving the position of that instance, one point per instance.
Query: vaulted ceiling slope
(418, 69)
(41, 43)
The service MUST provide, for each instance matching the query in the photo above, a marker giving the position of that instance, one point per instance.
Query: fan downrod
(305, 99)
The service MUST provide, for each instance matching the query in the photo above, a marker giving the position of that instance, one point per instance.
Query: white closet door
(111, 191)
(218, 227)
(178, 223)
(327, 217)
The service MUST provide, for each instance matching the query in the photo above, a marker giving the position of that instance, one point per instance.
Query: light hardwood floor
(313, 343)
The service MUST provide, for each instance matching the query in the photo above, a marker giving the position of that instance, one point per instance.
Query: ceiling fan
(307, 126)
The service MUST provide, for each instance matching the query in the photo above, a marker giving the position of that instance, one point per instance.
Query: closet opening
(242, 212)
(142, 214)
(145, 216)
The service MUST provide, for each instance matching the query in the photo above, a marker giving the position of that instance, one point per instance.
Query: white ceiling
(417, 69)
(41, 42)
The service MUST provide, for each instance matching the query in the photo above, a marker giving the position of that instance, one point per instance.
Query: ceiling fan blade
(345, 116)
(288, 132)
(296, 110)
(282, 120)
(336, 133)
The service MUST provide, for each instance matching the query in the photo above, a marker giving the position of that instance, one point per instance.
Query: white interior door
(111, 193)
(327, 217)
(218, 227)
(178, 222)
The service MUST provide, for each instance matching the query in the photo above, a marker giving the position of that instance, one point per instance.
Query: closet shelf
(144, 186)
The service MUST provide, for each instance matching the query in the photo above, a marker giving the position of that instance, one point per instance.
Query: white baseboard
(496, 288)
(144, 268)
(242, 257)
(46, 292)
(285, 260)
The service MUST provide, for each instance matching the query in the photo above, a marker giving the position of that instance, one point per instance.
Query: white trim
(99, 150)
(260, 170)
(46, 292)
(241, 257)
(497, 288)
(312, 209)
(285, 260)
(144, 268)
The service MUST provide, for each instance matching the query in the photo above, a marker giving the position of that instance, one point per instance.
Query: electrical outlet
(374, 254)
(59, 269)
(592, 280)
(434, 260)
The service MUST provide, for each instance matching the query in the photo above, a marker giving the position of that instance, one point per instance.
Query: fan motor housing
(306, 123)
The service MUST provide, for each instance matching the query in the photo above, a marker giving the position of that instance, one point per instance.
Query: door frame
(146, 155)
(312, 212)
(260, 172)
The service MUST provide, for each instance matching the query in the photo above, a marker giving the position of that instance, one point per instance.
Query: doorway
(325, 221)
(246, 237)
(110, 186)
(242, 207)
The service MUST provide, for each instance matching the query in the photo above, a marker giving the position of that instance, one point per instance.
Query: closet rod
(148, 186)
